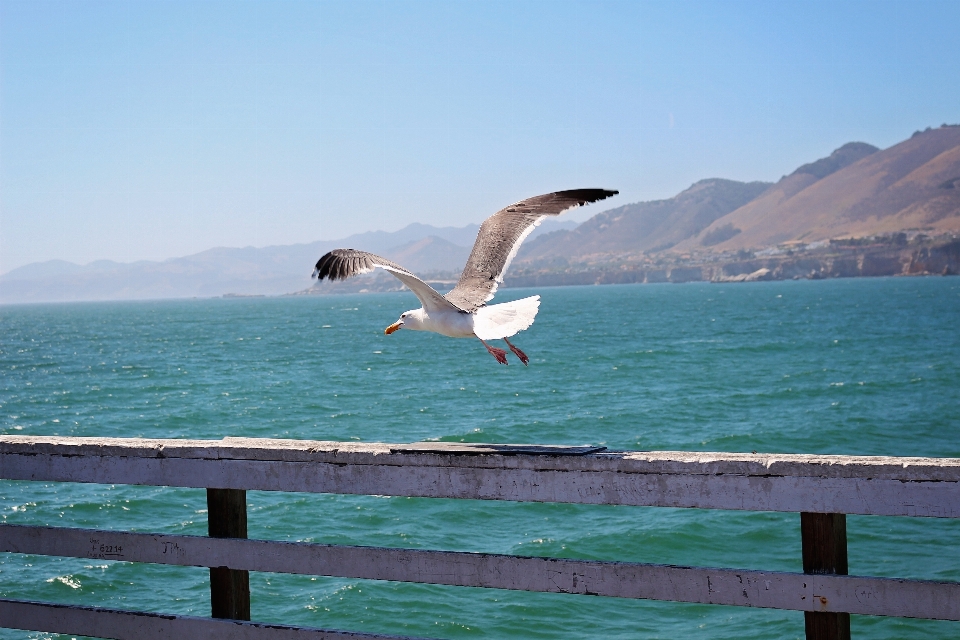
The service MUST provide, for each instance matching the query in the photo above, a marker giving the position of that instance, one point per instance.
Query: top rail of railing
(821, 487)
(868, 485)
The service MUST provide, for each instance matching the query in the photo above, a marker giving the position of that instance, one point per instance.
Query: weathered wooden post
(229, 588)
(824, 539)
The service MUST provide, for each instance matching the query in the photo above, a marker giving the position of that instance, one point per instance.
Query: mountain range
(858, 191)
(246, 271)
(644, 227)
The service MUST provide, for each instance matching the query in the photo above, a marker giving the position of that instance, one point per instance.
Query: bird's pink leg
(499, 354)
(516, 351)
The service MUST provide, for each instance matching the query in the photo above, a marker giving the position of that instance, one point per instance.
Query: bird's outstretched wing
(500, 237)
(341, 264)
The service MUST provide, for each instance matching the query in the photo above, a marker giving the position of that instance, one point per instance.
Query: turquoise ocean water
(863, 366)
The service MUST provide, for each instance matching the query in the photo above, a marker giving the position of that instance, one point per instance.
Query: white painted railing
(822, 488)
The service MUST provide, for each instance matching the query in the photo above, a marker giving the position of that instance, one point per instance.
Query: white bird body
(492, 322)
(463, 312)
(453, 324)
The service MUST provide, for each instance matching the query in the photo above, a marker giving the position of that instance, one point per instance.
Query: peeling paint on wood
(769, 589)
(812, 484)
(361, 453)
(792, 483)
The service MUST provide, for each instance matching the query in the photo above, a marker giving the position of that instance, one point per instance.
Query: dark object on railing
(229, 588)
(478, 448)
(824, 539)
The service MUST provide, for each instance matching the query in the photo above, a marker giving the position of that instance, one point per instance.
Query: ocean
(847, 366)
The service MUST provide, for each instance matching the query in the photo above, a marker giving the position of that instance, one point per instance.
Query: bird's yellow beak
(394, 327)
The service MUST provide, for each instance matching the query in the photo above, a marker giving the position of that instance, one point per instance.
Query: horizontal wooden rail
(768, 589)
(755, 482)
(115, 623)
(822, 488)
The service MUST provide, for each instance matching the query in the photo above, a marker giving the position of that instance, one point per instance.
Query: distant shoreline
(889, 256)
(400, 288)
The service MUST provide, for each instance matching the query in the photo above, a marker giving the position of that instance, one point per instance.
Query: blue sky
(149, 130)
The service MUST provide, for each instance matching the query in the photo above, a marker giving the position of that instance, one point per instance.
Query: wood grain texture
(229, 587)
(824, 542)
(757, 482)
(810, 484)
(660, 462)
(767, 589)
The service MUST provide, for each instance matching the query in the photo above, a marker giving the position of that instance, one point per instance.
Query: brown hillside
(840, 158)
(914, 185)
(645, 226)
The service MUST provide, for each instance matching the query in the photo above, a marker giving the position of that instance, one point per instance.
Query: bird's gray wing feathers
(341, 264)
(500, 237)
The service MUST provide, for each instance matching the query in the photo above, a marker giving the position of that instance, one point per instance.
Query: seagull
(463, 312)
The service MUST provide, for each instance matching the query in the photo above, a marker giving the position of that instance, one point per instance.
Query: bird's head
(412, 319)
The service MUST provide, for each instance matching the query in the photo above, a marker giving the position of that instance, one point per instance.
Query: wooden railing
(821, 488)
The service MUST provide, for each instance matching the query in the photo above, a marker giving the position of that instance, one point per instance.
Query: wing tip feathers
(587, 196)
(339, 264)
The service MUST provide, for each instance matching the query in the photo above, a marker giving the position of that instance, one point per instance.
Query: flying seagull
(463, 312)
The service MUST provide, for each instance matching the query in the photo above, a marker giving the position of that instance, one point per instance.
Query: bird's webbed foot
(499, 354)
(517, 352)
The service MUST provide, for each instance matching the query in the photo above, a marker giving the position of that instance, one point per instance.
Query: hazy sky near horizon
(148, 130)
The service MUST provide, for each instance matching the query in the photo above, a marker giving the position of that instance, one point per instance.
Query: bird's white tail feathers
(504, 320)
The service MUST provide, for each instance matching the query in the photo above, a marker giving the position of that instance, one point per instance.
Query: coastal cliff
(890, 256)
